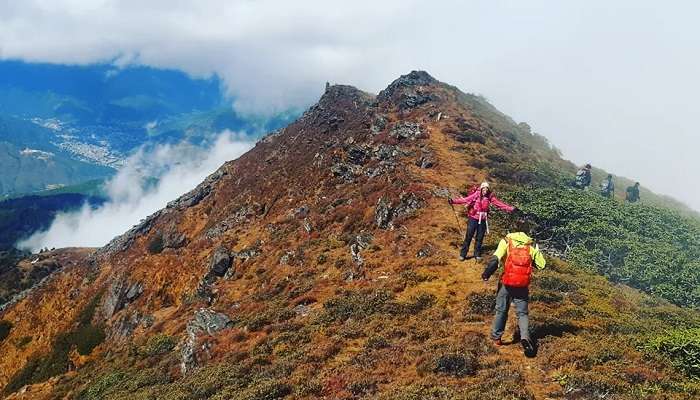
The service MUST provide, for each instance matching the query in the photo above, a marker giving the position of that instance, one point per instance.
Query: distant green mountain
(31, 162)
(62, 125)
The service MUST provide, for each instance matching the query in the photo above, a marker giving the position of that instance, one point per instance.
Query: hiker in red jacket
(478, 205)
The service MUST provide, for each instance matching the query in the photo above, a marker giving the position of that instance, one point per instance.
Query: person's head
(485, 188)
(588, 166)
(636, 184)
(525, 226)
(609, 176)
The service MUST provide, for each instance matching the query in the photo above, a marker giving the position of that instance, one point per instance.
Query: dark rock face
(361, 242)
(125, 325)
(198, 194)
(204, 322)
(346, 171)
(379, 124)
(407, 91)
(220, 262)
(119, 294)
(426, 160)
(385, 213)
(123, 242)
(382, 213)
(357, 155)
(407, 130)
(425, 251)
(173, 239)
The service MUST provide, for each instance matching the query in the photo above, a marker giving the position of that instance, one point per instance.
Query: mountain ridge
(322, 263)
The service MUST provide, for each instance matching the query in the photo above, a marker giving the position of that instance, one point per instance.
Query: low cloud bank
(151, 178)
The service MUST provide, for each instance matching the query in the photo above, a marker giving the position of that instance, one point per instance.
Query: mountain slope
(322, 264)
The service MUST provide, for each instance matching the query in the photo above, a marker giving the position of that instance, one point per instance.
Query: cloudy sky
(613, 83)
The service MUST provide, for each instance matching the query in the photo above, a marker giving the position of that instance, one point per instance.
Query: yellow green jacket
(520, 239)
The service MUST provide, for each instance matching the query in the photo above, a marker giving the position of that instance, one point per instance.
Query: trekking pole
(459, 226)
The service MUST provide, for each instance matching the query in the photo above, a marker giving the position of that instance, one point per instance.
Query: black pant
(474, 227)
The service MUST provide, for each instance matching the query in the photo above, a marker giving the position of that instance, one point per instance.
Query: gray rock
(357, 155)
(125, 325)
(220, 262)
(382, 213)
(115, 298)
(406, 130)
(196, 195)
(239, 216)
(134, 292)
(346, 171)
(425, 251)
(386, 152)
(379, 124)
(427, 160)
(408, 91)
(441, 192)
(205, 321)
(119, 294)
(173, 239)
(385, 213)
(361, 242)
(408, 204)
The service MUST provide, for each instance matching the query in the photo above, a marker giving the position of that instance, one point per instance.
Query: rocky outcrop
(118, 295)
(361, 242)
(406, 130)
(204, 322)
(385, 213)
(408, 91)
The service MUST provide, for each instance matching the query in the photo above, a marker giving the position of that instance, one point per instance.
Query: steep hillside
(322, 264)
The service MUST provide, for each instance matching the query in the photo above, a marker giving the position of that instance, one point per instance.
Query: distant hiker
(520, 257)
(583, 177)
(633, 193)
(478, 204)
(607, 187)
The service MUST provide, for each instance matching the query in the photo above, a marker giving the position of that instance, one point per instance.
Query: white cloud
(132, 194)
(610, 83)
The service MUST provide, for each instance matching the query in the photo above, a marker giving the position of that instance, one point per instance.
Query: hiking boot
(528, 347)
(497, 342)
(462, 258)
(478, 258)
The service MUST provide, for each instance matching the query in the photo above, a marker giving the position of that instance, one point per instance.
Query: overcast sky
(615, 83)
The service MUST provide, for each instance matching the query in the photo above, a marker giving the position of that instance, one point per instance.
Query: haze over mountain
(612, 84)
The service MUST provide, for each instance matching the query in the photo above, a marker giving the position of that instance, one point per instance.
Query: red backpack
(518, 268)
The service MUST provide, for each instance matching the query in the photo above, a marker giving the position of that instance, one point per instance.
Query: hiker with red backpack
(521, 255)
(478, 203)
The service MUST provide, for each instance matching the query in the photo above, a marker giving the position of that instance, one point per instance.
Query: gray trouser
(520, 297)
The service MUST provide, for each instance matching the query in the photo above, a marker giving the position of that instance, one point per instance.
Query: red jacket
(481, 204)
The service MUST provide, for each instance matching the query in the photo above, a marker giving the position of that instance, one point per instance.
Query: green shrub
(23, 342)
(85, 337)
(481, 303)
(363, 304)
(682, 347)
(456, 364)
(5, 327)
(157, 345)
(97, 389)
(362, 388)
(650, 248)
